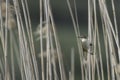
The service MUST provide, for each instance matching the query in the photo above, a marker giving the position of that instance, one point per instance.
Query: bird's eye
(90, 44)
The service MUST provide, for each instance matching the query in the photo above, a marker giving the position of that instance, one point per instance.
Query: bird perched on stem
(85, 45)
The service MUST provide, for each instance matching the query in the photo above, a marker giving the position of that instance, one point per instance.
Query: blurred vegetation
(64, 25)
(61, 12)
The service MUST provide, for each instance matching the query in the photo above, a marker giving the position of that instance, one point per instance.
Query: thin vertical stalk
(58, 48)
(72, 64)
(53, 60)
(116, 26)
(12, 56)
(89, 36)
(46, 3)
(78, 41)
(6, 43)
(41, 39)
(32, 43)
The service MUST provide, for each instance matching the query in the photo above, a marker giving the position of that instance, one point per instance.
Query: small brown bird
(84, 41)
(85, 45)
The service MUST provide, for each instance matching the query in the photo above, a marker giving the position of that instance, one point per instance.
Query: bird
(85, 46)
(84, 43)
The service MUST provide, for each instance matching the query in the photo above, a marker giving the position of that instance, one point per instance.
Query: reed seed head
(11, 23)
(44, 31)
(117, 68)
(3, 9)
(53, 54)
